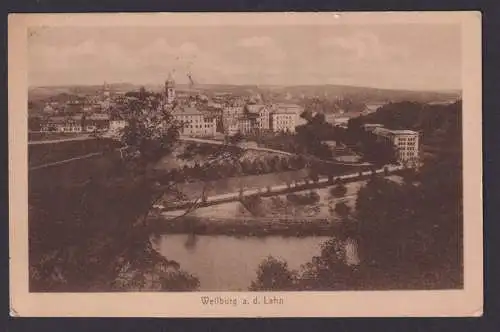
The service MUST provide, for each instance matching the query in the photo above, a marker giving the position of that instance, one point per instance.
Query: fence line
(62, 140)
(65, 161)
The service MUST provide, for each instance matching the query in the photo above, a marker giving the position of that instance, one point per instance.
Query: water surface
(226, 263)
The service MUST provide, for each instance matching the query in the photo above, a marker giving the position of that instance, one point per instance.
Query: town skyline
(160, 85)
(365, 56)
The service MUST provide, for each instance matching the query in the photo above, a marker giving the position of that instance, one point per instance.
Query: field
(279, 206)
(40, 154)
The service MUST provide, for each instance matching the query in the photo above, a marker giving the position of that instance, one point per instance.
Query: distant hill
(294, 93)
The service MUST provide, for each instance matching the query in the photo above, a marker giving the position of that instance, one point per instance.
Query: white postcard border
(466, 302)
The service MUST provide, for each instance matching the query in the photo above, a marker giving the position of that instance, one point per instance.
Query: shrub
(303, 199)
(338, 191)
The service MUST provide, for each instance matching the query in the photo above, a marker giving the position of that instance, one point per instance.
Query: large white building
(406, 143)
(284, 117)
(260, 117)
(195, 122)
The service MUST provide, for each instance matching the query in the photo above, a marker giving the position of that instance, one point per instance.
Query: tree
(421, 226)
(92, 232)
(285, 165)
(238, 170)
(329, 270)
(339, 190)
(274, 275)
(254, 205)
(342, 210)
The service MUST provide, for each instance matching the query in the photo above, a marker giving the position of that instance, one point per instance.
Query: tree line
(408, 236)
(94, 235)
(225, 169)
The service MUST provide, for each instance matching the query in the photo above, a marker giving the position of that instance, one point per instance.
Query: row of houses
(253, 117)
(78, 123)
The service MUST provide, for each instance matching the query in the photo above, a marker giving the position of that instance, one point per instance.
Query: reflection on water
(225, 263)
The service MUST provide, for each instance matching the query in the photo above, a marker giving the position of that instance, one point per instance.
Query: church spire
(170, 88)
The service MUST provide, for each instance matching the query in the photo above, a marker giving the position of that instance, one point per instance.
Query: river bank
(242, 227)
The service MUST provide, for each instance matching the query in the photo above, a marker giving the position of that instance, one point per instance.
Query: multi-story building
(96, 122)
(63, 124)
(232, 112)
(195, 122)
(231, 127)
(282, 121)
(283, 118)
(230, 117)
(259, 117)
(406, 143)
(117, 124)
(246, 124)
(261, 114)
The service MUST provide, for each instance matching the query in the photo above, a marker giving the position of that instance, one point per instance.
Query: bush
(338, 191)
(272, 275)
(342, 209)
(303, 199)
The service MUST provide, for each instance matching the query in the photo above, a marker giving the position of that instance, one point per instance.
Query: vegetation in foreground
(408, 236)
(93, 236)
(414, 242)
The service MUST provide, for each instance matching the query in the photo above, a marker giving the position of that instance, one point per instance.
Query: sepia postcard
(245, 164)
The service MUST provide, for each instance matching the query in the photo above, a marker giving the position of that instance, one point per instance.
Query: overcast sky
(419, 56)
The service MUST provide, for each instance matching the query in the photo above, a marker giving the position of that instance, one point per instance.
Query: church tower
(105, 90)
(169, 89)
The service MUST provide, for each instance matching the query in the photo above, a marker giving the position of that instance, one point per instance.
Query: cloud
(361, 56)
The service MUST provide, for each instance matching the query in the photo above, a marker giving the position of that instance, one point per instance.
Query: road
(284, 187)
(275, 190)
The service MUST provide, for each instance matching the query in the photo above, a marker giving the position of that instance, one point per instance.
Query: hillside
(439, 125)
(362, 94)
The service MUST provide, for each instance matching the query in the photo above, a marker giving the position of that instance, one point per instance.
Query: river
(226, 263)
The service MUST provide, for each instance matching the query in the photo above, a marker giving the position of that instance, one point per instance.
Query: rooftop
(99, 116)
(254, 108)
(404, 132)
(286, 105)
(385, 131)
(373, 125)
(187, 111)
